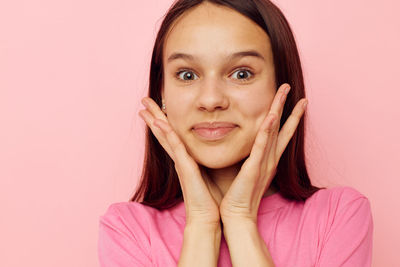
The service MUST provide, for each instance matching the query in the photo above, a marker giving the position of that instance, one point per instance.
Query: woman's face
(218, 67)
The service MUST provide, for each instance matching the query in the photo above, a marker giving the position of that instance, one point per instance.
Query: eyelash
(187, 70)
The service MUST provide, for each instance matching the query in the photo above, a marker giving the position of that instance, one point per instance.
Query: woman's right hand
(201, 196)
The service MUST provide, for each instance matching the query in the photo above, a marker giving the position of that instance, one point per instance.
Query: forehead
(210, 30)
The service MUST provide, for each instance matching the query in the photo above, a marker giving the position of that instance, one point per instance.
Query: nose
(212, 96)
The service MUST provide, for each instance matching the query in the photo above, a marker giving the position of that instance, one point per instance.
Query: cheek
(175, 118)
(178, 98)
(177, 109)
(255, 109)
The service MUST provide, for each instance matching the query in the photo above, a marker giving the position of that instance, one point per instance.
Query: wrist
(239, 222)
(203, 228)
(201, 245)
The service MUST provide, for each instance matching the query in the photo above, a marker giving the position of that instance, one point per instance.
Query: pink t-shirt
(331, 228)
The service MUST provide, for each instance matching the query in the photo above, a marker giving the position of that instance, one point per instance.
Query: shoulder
(339, 205)
(124, 235)
(344, 226)
(339, 196)
(126, 208)
(128, 218)
(131, 213)
(126, 224)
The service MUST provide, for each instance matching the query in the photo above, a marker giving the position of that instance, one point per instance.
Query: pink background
(72, 74)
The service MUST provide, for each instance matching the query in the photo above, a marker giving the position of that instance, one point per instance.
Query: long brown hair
(159, 186)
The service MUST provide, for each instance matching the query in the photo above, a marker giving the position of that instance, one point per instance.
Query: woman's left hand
(242, 200)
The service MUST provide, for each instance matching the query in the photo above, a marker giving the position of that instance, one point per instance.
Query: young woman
(224, 181)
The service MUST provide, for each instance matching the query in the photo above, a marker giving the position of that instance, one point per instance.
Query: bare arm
(200, 246)
(246, 246)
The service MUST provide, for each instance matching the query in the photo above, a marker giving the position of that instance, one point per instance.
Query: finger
(182, 159)
(279, 101)
(158, 133)
(290, 126)
(276, 110)
(154, 108)
(272, 150)
(264, 138)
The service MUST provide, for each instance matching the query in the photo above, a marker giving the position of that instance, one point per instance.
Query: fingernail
(145, 102)
(305, 103)
(287, 89)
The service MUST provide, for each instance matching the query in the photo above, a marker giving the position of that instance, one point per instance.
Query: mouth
(214, 133)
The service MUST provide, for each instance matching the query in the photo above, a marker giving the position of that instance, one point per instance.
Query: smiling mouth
(213, 134)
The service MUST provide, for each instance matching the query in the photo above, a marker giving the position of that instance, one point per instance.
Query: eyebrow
(248, 53)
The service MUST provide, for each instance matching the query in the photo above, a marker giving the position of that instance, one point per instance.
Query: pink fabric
(333, 227)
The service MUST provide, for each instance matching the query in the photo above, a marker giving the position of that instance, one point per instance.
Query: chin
(215, 165)
(218, 156)
(218, 162)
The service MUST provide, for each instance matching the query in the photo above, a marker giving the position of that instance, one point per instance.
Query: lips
(213, 131)
(213, 125)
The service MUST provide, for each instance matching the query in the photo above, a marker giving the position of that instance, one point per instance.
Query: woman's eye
(185, 75)
(243, 74)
